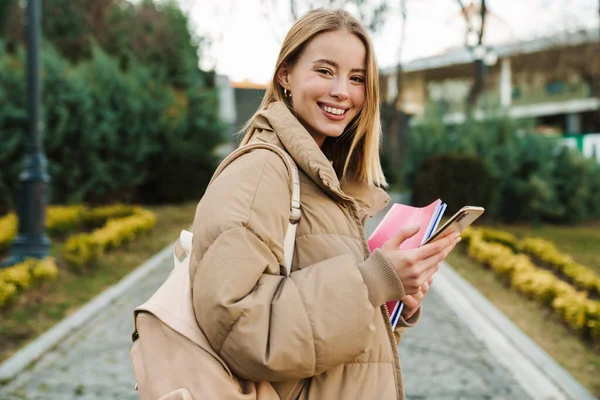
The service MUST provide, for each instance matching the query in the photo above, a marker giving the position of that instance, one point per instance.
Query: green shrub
(13, 125)
(524, 171)
(106, 130)
(182, 170)
(577, 185)
(458, 180)
(125, 106)
(536, 178)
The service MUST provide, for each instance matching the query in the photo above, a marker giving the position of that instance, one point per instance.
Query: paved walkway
(442, 357)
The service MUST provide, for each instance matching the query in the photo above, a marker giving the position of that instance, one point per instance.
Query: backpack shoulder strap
(295, 212)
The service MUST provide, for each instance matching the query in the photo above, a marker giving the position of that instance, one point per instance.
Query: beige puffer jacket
(322, 333)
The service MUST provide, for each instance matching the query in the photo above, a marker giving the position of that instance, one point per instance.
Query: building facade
(555, 81)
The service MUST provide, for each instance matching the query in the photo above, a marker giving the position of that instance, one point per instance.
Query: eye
(358, 79)
(324, 71)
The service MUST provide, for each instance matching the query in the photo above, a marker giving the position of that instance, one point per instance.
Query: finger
(410, 314)
(427, 268)
(411, 301)
(403, 234)
(431, 249)
(446, 232)
(428, 274)
(440, 256)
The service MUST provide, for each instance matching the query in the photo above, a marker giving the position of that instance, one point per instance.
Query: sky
(245, 35)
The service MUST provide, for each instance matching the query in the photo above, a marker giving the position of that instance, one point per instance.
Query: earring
(287, 93)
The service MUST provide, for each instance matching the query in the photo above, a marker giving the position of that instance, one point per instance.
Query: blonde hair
(357, 149)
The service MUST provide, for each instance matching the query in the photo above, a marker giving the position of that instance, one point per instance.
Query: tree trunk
(478, 84)
(396, 132)
(480, 68)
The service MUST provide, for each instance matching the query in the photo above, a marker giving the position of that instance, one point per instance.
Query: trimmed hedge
(581, 313)
(61, 220)
(83, 249)
(20, 277)
(545, 251)
(120, 225)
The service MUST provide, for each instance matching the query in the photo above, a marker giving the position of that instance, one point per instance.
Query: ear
(283, 76)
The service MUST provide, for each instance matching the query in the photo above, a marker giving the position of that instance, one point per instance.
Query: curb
(536, 372)
(28, 355)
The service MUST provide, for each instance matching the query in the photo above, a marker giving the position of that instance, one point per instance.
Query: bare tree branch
(396, 132)
(462, 7)
(482, 14)
(465, 13)
(479, 65)
(267, 16)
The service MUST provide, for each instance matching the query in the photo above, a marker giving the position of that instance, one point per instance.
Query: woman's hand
(413, 302)
(416, 266)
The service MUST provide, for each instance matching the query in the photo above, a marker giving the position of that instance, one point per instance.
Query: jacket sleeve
(264, 325)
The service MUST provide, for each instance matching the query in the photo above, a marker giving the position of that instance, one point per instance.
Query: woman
(322, 332)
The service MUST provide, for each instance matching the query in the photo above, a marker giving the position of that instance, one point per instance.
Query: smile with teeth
(331, 110)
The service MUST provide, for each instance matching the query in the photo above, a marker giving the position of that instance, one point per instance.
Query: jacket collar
(278, 125)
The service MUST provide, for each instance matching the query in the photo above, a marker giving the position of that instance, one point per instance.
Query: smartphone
(459, 221)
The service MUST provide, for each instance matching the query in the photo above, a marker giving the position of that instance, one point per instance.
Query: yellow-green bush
(117, 232)
(64, 219)
(83, 249)
(8, 230)
(536, 283)
(487, 252)
(122, 223)
(7, 292)
(20, 277)
(574, 307)
(18, 274)
(99, 215)
(45, 269)
(522, 274)
(594, 320)
(546, 251)
(497, 236)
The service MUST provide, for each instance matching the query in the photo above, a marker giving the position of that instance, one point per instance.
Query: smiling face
(327, 83)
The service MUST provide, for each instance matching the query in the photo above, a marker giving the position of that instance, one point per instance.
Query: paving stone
(441, 358)
(94, 362)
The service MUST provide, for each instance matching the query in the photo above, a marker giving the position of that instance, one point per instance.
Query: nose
(339, 89)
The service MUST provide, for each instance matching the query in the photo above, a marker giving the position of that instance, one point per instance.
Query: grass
(40, 308)
(576, 355)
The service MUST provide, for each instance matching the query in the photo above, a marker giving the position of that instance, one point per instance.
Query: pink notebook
(398, 216)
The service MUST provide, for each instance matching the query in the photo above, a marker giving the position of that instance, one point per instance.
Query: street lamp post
(32, 240)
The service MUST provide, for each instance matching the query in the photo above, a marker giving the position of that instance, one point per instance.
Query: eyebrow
(335, 65)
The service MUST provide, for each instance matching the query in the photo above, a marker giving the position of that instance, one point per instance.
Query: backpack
(171, 356)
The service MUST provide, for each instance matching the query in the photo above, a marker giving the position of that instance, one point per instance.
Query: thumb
(403, 234)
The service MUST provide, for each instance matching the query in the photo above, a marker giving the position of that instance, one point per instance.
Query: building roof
(247, 85)
(461, 55)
